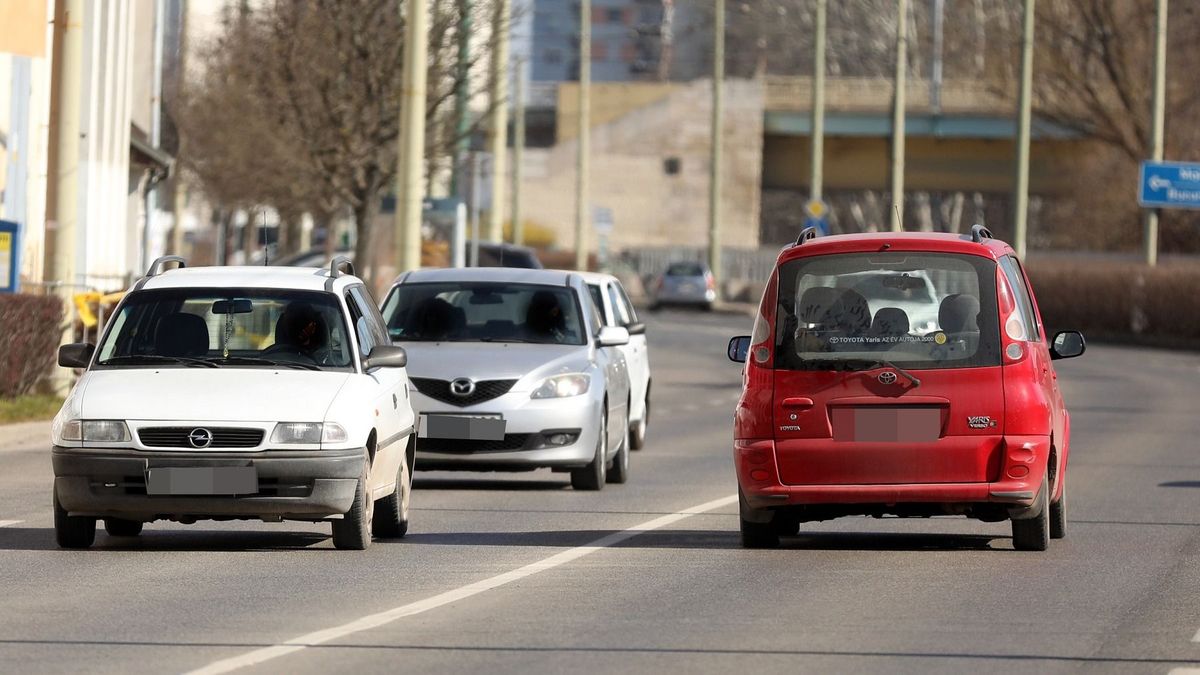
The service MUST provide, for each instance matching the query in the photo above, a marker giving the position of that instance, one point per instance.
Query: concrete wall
(651, 207)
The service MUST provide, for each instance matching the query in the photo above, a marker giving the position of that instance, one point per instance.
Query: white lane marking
(690, 407)
(1184, 671)
(370, 621)
(1196, 637)
(6, 523)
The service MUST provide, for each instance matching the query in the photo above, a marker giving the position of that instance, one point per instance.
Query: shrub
(31, 328)
(1120, 302)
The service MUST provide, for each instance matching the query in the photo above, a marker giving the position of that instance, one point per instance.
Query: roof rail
(806, 234)
(156, 267)
(979, 233)
(339, 265)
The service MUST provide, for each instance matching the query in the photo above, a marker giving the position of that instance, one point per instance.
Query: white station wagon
(237, 393)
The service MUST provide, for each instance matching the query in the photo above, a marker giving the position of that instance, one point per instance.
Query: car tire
(756, 534)
(72, 531)
(637, 431)
(119, 527)
(1033, 534)
(1058, 516)
(353, 531)
(391, 512)
(618, 473)
(592, 476)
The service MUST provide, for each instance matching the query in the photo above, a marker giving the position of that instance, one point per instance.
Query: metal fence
(740, 264)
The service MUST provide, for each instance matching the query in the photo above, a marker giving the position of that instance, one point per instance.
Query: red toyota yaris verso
(901, 374)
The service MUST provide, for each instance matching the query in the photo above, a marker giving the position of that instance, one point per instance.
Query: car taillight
(710, 282)
(1015, 332)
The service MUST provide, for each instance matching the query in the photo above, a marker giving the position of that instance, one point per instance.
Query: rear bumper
(1021, 471)
(298, 485)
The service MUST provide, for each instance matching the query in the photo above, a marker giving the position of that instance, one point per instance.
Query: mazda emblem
(462, 387)
(200, 438)
(887, 377)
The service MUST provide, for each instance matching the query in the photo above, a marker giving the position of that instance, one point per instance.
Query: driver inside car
(300, 330)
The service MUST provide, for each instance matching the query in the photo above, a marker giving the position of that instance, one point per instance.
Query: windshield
(915, 310)
(228, 327)
(484, 312)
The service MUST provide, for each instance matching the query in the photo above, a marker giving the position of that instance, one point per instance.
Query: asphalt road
(518, 573)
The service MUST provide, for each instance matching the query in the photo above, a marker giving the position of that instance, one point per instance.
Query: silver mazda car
(514, 370)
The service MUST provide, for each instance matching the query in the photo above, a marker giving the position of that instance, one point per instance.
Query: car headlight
(562, 386)
(95, 431)
(308, 432)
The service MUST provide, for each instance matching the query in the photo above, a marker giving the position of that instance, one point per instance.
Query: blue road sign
(10, 256)
(821, 224)
(1170, 185)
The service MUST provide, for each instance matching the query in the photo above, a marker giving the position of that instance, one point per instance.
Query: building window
(599, 51)
(616, 15)
(552, 56)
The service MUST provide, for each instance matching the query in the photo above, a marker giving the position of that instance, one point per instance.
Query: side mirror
(386, 356)
(612, 336)
(1067, 344)
(738, 348)
(636, 328)
(77, 355)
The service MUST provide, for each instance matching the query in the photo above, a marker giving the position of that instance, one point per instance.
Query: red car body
(989, 440)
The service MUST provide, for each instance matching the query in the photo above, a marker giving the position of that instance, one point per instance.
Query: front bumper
(1020, 475)
(525, 420)
(292, 484)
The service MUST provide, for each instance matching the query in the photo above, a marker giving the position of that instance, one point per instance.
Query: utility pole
(718, 123)
(180, 198)
(898, 107)
(817, 170)
(65, 136)
(1021, 195)
(151, 201)
(1150, 240)
(498, 126)
(462, 126)
(582, 208)
(518, 169)
(409, 179)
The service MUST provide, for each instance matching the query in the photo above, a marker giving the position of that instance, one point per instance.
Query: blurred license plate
(463, 427)
(194, 480)
(887, 424)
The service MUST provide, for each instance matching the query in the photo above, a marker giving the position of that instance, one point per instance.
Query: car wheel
(119, 527)
(72, 531)
(592, 476)
(758, 526)
(1033, 534)
(1058, 516)
(637, 432)
(619, 472)
(353, 531)
(391, 512)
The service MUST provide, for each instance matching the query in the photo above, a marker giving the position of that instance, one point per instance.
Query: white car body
(109, 479)
(516, 370)
(617, 310)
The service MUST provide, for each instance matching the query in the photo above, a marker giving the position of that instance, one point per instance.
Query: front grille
(464, 447)
(485, 390)
(223, 437)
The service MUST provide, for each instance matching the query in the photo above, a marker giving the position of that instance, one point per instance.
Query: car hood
(224, 394)
(528, 363)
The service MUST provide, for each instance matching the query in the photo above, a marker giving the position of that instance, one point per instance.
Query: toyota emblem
(200, 438)
(887, 377)
(462, 387)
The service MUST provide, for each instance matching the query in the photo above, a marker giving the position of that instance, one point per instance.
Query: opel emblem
(200, 438)
(887, 377)
(462, 387)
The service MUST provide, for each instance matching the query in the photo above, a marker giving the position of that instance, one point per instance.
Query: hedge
(31, 328)
(1120, 302)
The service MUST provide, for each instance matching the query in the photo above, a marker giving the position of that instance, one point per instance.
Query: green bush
(1120, 302)
(31, 327)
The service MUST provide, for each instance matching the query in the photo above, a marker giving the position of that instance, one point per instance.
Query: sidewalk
(25, 434)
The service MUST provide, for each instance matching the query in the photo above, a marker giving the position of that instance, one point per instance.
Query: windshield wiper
(507, 339)
(132, 359)
(868, 364)
(253, 361)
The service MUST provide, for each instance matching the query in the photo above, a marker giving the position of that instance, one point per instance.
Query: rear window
(685, 269)
(484, 312)
(914, 310)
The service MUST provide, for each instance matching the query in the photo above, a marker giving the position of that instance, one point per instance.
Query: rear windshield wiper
(132, 359)
(253, 361)
(868, 364)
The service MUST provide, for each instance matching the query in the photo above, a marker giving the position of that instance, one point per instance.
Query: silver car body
(530, 424)
(617, 310)
(684, 283)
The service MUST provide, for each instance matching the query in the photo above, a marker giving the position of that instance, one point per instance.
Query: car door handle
(798, 402)
(395, 402)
